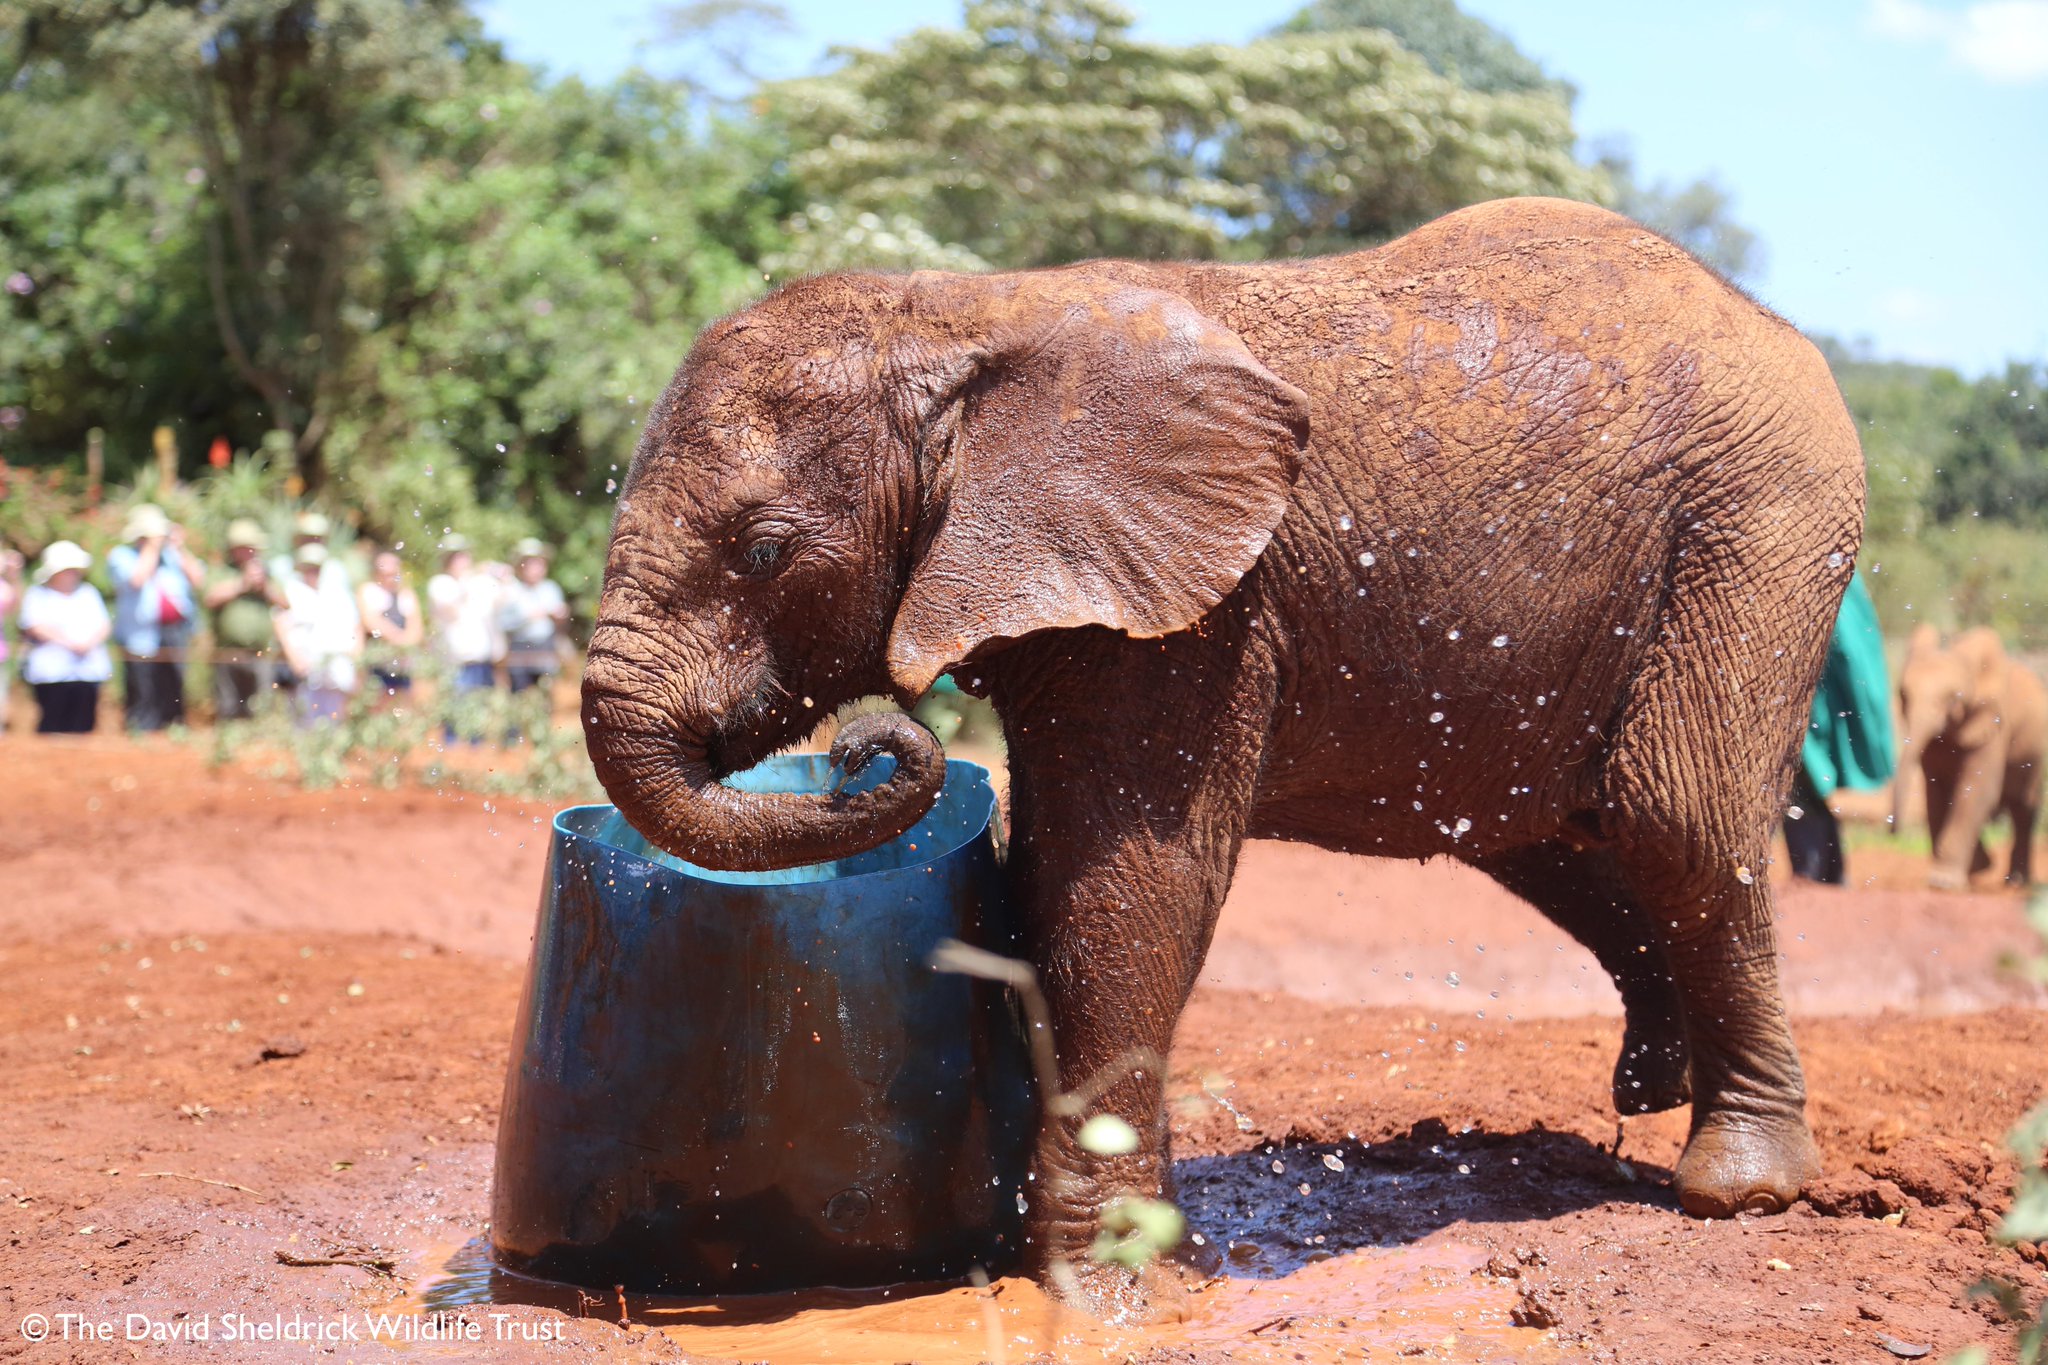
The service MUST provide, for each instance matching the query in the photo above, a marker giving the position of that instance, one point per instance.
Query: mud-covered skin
(1975, 732)
(1547, 588)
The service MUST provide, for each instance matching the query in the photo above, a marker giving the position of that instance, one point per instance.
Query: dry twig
(371, 1261)
(200, 1180)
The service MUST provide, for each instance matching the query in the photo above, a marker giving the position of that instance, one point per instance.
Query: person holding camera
(155, 606)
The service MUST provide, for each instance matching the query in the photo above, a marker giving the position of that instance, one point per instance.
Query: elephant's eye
(761, 555)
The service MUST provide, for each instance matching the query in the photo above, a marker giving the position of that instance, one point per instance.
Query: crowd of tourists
(299, 624)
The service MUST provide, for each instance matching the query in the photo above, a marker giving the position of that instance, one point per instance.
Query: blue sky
(1890, 153)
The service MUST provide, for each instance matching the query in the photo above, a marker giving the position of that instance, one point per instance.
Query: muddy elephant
(1975, 728)
(1516, 540)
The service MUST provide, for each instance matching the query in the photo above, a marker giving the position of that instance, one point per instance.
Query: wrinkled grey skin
(1516, 540)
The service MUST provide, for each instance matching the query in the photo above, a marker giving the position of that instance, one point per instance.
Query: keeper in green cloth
(1848, 741)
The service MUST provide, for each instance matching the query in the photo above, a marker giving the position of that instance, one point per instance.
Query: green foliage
(520, 751)
(1044, 132)
(1136, 1232)
(442, 292)
(1968, 573)
(1474, 54)
(2026, 1219)
(1958, 483)
(1468, 50)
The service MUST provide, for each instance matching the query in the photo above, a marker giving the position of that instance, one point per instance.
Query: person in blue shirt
(155, 613)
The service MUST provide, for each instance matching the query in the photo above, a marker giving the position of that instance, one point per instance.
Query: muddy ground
(240, 1020)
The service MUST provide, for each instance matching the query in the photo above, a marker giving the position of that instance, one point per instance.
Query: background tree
(1698, 215)
(286, 110)
(1468, 50)
(1043, 132)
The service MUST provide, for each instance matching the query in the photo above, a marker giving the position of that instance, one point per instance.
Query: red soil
(307, 997)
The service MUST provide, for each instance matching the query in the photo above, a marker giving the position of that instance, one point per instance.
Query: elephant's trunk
(658, 763)
(1904, 775)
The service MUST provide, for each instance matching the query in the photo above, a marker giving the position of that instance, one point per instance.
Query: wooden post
(95, 465)
(166, 442)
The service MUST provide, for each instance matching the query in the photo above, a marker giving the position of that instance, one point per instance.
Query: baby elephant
(1515, 541)
(1976, 722)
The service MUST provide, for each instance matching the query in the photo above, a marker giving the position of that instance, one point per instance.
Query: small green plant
(388, 741)
(2027, 1219)
(1133, 1230)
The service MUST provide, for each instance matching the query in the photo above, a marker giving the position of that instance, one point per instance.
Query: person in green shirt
(239, 600)
(1848, 741)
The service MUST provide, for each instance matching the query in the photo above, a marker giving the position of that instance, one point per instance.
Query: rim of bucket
(967, 767)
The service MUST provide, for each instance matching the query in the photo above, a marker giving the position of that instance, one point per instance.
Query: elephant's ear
(1984, 675)
(1120, 461)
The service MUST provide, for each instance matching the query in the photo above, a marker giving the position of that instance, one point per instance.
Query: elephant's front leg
(1129, 802)
(1972, 799)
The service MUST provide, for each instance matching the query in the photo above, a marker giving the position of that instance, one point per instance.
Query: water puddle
(1360, 1305)
(1318, 1261)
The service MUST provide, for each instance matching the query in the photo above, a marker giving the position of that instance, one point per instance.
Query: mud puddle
(1355, 1306)
(1305, 1271)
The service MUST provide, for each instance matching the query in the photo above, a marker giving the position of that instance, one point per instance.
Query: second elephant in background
(1975, 728)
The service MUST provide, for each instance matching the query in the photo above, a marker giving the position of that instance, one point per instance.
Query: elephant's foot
(1745, 1164)
(1654, 1071)
(1948, 879)
(1060, 1260)
(1119, 1296)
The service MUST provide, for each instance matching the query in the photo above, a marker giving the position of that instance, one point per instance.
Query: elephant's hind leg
(1698, 766)
(1582, 892)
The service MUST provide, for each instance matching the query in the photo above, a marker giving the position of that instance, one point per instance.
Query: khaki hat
(244, 534)
(530, 547)
(314, 554)
(310, 524)
(454, 543)
(60, 555)
(146, 520)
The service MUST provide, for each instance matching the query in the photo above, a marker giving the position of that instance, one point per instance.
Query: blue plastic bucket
(729, 1082)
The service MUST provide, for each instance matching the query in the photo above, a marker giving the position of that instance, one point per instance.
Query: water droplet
(1744, 875)
(611, 485)
(1500, 642)
(1333, 1162)
(1343, 523)
(1452, 633)
(1835, 560)
(1279, 1167)
(1436, 717)
(1367, 559)
(1451, 980)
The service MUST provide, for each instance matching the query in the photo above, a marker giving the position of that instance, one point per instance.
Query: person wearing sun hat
(464, 602)
(240, 600)
(532, 613)
(64, 620)
(155, 611)
(321, 637)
